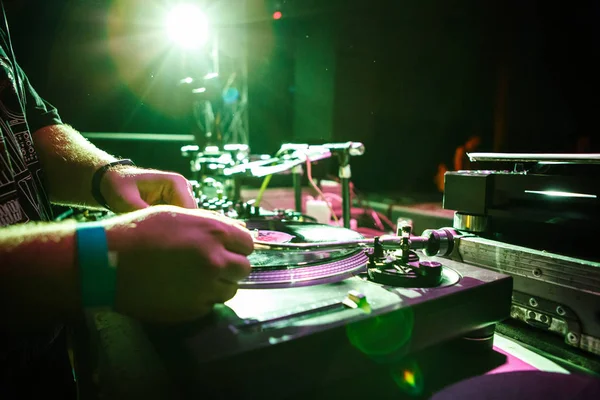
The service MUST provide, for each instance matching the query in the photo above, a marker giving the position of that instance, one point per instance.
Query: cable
(386, 220)
(67, 214)
(332, 196)
(262, 189)
(377, 220)
(265, 183)
(319, 192)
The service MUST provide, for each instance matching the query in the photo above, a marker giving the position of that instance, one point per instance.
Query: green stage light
(187, 26)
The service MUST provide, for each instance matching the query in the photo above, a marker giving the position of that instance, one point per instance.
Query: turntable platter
(276, 268)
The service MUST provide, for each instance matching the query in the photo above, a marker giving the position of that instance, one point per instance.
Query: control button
(355, 299)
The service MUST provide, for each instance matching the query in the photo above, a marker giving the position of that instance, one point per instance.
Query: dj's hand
(174, 264)
(129, 188)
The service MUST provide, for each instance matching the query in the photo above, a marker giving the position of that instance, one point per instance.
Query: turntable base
(276, 343)
(302, 320)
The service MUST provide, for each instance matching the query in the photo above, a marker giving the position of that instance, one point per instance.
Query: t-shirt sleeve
(40, 113)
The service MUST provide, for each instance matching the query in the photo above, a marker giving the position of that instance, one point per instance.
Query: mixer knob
(430, 269)
(226, 206)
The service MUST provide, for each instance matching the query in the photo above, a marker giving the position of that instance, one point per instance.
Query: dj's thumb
(127, 200)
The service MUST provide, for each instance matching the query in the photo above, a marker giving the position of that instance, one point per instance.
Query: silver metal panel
(534, 157)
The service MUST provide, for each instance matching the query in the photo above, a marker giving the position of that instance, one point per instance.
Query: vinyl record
(277, 268)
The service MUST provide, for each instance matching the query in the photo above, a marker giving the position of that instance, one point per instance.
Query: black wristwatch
(97, 178)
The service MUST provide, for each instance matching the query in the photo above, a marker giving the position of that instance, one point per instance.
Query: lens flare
(187, 26)
(409, 378)
(385, 336)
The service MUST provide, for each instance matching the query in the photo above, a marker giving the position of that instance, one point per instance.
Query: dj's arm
(69, 162)
(67, 158)
(189, 259)
(38, 275)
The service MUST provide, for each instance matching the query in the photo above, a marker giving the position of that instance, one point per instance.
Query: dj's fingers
(180, 192)
(238, 240)
(216, 216)
(227, 220)
(128, 199)
(221, 292)
(236, 268)
(239, 223)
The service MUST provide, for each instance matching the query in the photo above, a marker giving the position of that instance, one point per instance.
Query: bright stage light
(187, 26)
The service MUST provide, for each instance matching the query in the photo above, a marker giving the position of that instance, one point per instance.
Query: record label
(274, 236)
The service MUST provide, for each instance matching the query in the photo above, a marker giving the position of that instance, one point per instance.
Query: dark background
(411, 79)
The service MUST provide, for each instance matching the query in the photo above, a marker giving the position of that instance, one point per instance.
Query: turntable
(292, 253)
(532, 216)
(321, 303)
